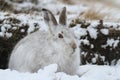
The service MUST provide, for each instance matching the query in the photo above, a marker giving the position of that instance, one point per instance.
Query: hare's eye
(60, 35)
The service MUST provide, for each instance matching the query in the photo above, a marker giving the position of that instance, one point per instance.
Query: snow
(85, 41)
(105, 31)
(112, 43)
(92, 46)
(79, 32)
(48, 73)
(1, 34)
(87, 72)
(94, 72)
(94, 60)
(93, 32)
(8, 35)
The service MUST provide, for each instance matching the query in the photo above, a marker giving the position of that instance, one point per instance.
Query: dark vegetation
(8, 5)
(7, 43)
(105, 56)
(18, 31)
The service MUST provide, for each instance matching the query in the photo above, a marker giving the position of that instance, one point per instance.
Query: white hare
(39, 49)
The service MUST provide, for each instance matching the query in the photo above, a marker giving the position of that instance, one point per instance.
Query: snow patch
(105, 31)
(48, 73)
(93, 32)
(79, 32)
(112, 43)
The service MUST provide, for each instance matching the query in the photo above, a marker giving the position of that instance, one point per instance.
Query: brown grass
(108, 3)
(93, 14)
(5, 6)
(67, 1)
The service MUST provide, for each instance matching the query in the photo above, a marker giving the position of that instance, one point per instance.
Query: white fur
(40, 49)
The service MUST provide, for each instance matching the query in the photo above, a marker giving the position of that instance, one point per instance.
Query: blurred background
(21, 17)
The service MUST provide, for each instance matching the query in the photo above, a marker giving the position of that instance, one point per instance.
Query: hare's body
(41, 48)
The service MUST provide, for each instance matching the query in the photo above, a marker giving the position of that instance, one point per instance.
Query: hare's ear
(62, 18)
(49, 18)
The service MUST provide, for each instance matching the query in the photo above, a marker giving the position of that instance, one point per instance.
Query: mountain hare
(39, 49)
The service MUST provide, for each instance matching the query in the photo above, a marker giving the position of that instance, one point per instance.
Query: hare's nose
(73, 45)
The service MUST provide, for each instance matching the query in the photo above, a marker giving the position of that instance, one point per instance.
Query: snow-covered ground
(86, 72)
